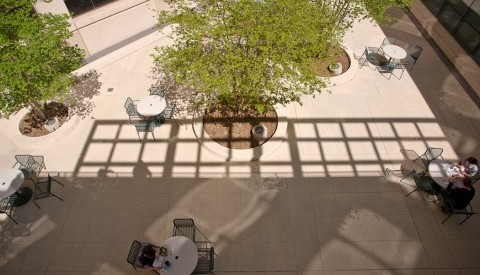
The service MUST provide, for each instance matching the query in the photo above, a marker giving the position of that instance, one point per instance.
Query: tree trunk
(37, 110)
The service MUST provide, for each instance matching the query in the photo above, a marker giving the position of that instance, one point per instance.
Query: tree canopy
(35, 59)
(247, 53)
(239, 54)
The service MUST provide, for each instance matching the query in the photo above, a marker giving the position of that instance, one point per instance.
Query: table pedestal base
(24, 194)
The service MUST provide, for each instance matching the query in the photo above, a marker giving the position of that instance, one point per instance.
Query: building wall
(100, 29)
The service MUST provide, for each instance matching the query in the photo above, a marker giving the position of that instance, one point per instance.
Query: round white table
(182, 256)
(10, 182)
(394, 51)
(151, 105)
(442, 172)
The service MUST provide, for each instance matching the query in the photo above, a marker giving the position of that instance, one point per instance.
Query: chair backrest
(6, 206)
(39, 160)
(206, 261)
(425, 183)
(145, 126)
(169, 110)
(157, 90)
(414, 51)
(134, 253)
(128, 102)
(430, 154)
(131, 110)
(388, 41)
(43, 188)
(184, 227)
(450, 209)
(24, 160)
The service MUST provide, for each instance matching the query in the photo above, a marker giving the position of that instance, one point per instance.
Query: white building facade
(99, 26)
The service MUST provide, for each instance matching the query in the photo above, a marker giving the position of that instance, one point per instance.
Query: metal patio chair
(135, 251)
(415, 160)
(430, 154)
(131, 109)
(6, 206)
(184, 227)
(31, 166)
(369, 55)
(157, 90)
(390, 67)
(423, 183)
(413, 53)
(169, 111)
(386, 41)
(146, 126)
(43, 189)
(206, 261)
(450, 210)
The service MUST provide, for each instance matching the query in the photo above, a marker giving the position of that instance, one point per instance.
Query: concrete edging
(29, 142)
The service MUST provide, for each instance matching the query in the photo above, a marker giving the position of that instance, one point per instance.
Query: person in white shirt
(469, 166)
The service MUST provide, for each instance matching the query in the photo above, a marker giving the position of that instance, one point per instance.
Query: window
(77, 7)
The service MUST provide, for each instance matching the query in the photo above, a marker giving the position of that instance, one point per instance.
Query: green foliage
(246, 53)
(35, 59)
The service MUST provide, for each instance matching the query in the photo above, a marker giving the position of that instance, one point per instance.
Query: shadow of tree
(86, 86)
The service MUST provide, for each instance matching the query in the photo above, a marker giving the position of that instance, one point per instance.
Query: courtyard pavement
(319, 204)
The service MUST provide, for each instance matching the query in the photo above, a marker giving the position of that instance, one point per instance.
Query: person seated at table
(148, 257)
(470, 166)
(462, 195)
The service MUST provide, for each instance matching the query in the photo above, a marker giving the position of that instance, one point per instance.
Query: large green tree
(238, 54)
(241, 54)
(35, 60)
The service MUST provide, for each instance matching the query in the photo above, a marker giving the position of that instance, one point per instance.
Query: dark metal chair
(386, 41)
(135, 251)
(414, 157)
(43, 189)
(131, 109)
(30, 165)
(145, 126)
(206, 261)
(450, 210)
(424, 183)
(169, 111)
(413, 53)
(369, 55)
(390, 67)
(6, 207)
(430, 154)
(157, 90)
(184, 227)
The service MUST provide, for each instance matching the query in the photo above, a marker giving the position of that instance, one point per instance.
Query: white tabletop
(182, 255)
(441, 172)
(394, 51)
(10, 181)
(151, 105)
